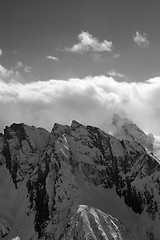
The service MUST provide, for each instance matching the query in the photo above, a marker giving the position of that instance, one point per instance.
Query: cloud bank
(141, 39)
(91, 100)
(88, 43)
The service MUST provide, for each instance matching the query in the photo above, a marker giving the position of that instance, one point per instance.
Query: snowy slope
(76, 181)
(90, 223)
(156, 146)
(106, 169)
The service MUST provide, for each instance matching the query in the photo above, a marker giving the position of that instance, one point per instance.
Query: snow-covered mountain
(76, 182)
(125, 129)
(90, 223)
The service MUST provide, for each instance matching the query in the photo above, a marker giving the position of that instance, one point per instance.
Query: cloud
(21, 66)
(28, 69)
(15, 73)
(141, 39)
(1, 52)
(2, 70)
(9, 75)
(113, 73)
(91, 100)
(52, 58)
(88, 43)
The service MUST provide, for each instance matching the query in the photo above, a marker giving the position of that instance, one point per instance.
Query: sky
(69, 59)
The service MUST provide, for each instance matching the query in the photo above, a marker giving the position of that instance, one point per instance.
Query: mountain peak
(90, 181)
(125, 129)
(75, 124)
(91, 223)
(119, 121)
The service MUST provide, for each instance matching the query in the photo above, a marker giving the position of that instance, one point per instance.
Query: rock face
(76, 182)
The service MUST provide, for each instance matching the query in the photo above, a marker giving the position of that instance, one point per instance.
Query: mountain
(91, 223)
(76, 182)
(123, 128)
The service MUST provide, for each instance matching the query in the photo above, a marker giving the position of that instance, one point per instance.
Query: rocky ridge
(76, 182)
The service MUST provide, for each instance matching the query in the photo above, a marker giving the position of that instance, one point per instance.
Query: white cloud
(21, 66)
(113, 73)
(1, 52)
(28, 69)
(89, 43)
(141, 39)
(8, 74)
(52, 58)
(12, 74)
(2, 70)
(91, 100)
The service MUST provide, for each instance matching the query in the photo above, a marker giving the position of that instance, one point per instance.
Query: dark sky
(30, 30)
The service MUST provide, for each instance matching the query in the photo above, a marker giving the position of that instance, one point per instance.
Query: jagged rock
(52, 183)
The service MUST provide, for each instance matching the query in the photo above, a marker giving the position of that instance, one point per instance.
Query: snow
(62, 146)
(81, 202)
(125, 129)
(98, 197)
(38, 137)
(116, 148)
(90, 223)
(108, 202)
(156, 146)
(13, 203)
(6, 192)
